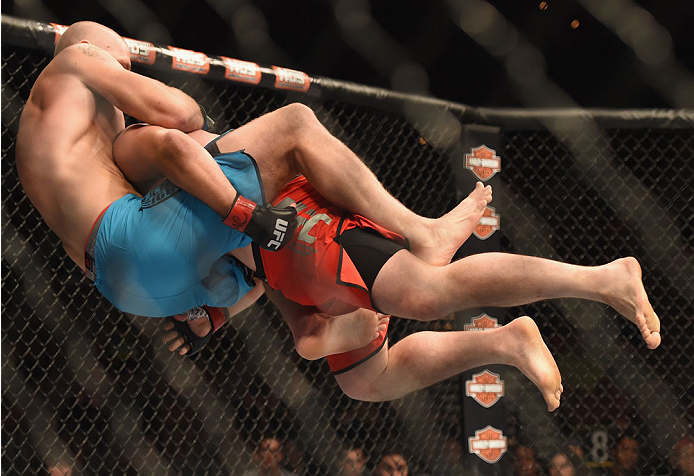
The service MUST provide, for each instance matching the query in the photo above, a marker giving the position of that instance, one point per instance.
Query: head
(682, 457)
(625, 454)
(354, 462)
(524, 461)
(268, 455)
(560, 465)
(97, 35)
(392, 465)
(60, 469)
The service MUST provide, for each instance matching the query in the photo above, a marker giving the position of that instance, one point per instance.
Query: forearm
(153, 102)
(165, 106)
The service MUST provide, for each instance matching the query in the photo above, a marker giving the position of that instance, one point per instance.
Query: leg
(408, 287)
(424, 358)
(291, 140)
(146, 154)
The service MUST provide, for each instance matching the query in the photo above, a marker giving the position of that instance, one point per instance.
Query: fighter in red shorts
(338, 262)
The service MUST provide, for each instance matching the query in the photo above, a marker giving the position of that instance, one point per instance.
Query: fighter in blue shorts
(163, 254)
(150, 255)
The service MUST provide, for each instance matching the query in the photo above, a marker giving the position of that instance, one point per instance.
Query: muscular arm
(141, 97)
(318, 335)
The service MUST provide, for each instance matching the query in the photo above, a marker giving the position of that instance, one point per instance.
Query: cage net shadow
(87, 385)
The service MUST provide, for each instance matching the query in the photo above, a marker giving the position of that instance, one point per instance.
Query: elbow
(186, 121)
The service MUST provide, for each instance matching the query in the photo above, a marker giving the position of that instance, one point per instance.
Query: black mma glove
(216, 317)
(271, 228)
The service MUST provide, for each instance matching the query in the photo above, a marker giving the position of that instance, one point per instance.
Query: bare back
(64, 153)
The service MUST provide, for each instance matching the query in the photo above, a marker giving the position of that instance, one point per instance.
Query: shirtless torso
(73, 114)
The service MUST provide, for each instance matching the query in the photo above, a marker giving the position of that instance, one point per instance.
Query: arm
(145, 154)
(141, 97)
(317, 335)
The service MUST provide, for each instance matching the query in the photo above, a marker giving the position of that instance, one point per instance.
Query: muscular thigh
(265, 139)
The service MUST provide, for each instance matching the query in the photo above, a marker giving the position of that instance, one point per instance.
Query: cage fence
(94, 388)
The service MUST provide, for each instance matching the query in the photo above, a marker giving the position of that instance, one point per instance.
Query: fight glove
(271, 228)
(216, 317)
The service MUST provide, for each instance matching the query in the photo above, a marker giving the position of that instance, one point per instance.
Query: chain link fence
(88, 386)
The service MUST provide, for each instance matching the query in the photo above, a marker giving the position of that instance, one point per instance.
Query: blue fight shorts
(163, 254)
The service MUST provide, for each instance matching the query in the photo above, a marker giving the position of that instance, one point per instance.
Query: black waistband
(259, 268)
(213, 148)
(89, 247)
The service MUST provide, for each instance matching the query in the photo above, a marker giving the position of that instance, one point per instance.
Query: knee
(170, 142)
(297, 118)
(361, 390)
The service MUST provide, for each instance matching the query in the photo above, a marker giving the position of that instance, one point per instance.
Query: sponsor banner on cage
(486, 388)
(189, 61)
(482, 322)
(488, 224)
(291, 79)
(141, 51)
(244, 71)
(59, 30)
(488, 443)
(483, 162)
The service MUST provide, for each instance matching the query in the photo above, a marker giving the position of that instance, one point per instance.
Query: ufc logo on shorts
(279, 231)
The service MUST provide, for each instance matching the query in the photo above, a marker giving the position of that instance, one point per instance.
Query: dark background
(590, 63)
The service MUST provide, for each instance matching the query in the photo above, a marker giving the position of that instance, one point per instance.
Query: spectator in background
(353, 462)
(295, 458)
(268, 459)
(392, 464)
(576, 447)
(682, 458)
(524, 461)
(451, 463)
(61, 468)
(567, 463)
(625, 457)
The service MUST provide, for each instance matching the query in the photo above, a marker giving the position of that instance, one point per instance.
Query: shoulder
(80, 57)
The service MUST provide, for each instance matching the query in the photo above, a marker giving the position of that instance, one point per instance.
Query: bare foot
(448, 233)
(624, 291)
(356, 329)
(527, 351)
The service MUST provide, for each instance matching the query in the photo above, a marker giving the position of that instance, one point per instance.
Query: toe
(653, 340)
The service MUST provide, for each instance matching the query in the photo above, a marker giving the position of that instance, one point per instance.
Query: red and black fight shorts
(331, 263)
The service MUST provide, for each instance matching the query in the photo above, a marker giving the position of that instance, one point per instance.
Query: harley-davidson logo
(488, 224)
(483, 162)
(488, 443)
(482, 322)
(486, 388)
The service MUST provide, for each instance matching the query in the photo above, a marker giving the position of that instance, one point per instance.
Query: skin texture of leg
(408, 287)
(284, 143)
(424, 358)
(291, 140)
